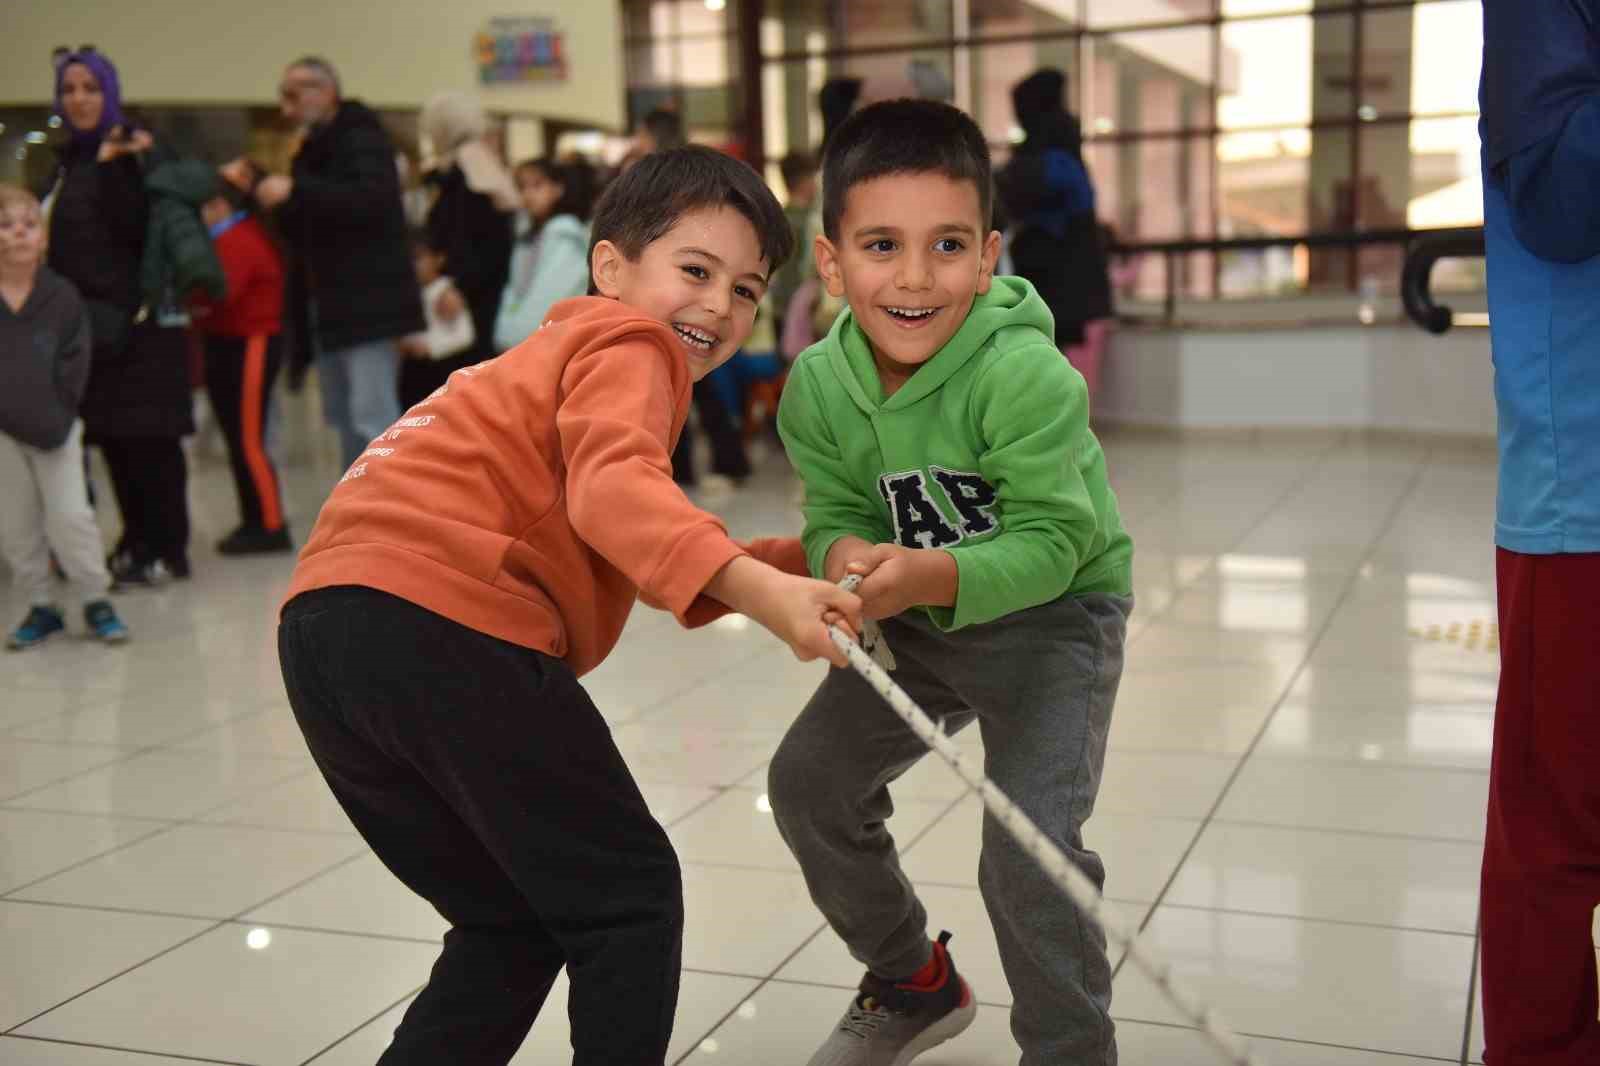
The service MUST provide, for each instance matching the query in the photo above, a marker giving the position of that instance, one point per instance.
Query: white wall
(390, 53)
(1383, 377)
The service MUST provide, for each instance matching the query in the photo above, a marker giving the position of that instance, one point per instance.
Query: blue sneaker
(41, 624)
(104, 625)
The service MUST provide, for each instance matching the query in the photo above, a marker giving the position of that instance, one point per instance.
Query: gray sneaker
(889, 1024)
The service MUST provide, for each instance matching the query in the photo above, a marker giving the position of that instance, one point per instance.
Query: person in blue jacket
(1540, 99)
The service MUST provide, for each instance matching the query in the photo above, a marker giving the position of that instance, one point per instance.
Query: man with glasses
(352, 293)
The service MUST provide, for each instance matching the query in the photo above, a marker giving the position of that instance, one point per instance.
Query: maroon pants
(1541, 860)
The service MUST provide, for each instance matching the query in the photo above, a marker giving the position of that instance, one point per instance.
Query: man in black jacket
(352, 293)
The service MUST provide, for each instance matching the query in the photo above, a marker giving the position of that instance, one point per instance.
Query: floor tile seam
(1314, 463)
(1396, 507)
(1317, 919)
(1434, 768)
(805, 943)
(238, 916)
(169, 949)
(1290, 1040)
(717, 792)
(761, 983)
(128, 1050)
(1335, 830)
(689, 689)
(1313, 760)
(1472, 990)
(129, 754)
(11, 893)
(1304, 919)
(317, 1055)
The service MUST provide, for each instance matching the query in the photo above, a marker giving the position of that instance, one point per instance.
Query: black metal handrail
(1416, 276)
(1425, 247)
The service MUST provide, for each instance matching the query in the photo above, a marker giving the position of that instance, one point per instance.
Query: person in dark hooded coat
(1047, 192)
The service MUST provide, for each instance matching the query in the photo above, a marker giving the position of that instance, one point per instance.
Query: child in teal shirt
(946, 454)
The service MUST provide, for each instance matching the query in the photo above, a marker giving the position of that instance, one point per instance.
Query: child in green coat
(946, 454)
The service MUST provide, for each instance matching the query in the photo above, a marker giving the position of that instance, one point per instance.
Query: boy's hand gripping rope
(1068, 878)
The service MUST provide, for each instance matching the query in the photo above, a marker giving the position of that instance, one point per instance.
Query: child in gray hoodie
(44, 363)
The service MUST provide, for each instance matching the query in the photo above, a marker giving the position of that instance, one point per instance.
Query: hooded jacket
(985, 453)
(1047, 192)
(44, 362)
(178, 257)
(346, 225)
(531, 497)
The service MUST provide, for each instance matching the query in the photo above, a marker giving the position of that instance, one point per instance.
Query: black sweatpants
(150, 478)
(240, 373)
(482, 775)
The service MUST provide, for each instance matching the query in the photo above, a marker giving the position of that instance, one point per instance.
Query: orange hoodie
(531, 497)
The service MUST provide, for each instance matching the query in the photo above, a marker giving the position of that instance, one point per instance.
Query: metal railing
(1417, 275)
(1424, 248)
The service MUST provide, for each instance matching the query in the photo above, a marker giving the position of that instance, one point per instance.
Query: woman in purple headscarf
(136, 407)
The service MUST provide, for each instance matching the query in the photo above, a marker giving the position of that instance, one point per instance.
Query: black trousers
(240, 373)
(483, 776)
(150, 478)
(727, 446)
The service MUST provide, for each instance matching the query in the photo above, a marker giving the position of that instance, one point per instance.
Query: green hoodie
(986, 453)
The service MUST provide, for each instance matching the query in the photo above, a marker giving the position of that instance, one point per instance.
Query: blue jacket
(1540, 98)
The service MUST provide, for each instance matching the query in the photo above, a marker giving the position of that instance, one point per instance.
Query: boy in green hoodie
(946, 453)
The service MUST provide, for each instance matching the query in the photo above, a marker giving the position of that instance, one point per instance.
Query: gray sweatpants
(47, 508)
(1041, 684)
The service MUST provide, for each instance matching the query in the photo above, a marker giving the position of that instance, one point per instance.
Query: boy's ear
(828, 269)
(605, 267)
(991, 256)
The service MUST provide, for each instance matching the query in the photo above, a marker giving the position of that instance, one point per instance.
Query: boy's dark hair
(797, 167)
(903, 137)
(649, 198)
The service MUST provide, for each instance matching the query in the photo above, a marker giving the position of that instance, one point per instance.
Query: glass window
(1154, 189)
(1447, 39)
(1006, 18)
(1386, 64)
(1424, 174)
(1149, 80)
(995, 68)
(1264, 7)
(876, 23)
(1282, 71)
(1112, 13)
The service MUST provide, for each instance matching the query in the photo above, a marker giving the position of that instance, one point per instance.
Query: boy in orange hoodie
(480, 557)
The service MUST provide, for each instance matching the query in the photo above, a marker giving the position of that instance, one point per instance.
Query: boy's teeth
(912, 312)
(694, 336)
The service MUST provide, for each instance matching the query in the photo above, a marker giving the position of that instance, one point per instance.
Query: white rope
(1073, 882)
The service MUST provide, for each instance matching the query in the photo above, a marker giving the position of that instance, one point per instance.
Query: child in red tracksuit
(243, 356)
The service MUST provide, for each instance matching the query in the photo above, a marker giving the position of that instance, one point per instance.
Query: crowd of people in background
(337, 266)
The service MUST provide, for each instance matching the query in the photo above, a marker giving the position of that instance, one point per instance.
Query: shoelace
(862, 1021)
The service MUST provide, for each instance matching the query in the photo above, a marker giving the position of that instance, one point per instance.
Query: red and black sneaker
(891, 1023)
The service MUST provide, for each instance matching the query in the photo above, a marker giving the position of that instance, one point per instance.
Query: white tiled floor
(1292, 804)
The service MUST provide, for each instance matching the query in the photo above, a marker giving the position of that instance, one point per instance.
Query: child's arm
(842, 524)
(615, 425)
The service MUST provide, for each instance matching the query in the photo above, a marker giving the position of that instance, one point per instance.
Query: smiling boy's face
(911, 256)
(703, 277)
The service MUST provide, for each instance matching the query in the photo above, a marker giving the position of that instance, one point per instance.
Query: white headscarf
(455, 125)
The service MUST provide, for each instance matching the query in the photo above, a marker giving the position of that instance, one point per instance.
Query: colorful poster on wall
(516, 51)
